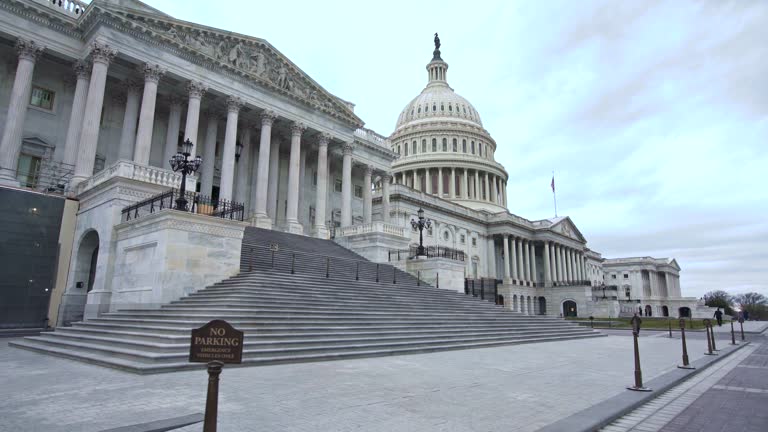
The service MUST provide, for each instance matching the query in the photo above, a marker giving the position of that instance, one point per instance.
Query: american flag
(553, 184)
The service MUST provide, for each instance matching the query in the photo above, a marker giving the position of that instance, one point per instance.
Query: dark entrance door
(569, 308)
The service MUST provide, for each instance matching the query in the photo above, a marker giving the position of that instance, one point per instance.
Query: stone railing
(373, 227)
(133, 171)
(71, 8)
(372, 137)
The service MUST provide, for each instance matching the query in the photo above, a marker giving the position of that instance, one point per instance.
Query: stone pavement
(513, 388)
(729, 396)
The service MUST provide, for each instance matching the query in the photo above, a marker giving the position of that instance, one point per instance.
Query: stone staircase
(302, 300)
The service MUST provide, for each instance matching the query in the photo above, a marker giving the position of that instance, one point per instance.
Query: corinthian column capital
(268, 117)
(152, 72)
(28, 49)
(324, 139)
(298, 128)
(102, 53)
(347, 148)
(196, 89)
(82, 69)
(234, 104)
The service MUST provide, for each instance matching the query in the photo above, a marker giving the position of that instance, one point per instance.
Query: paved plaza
(513, 388)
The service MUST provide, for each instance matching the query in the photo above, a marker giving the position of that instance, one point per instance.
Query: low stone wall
(169, 254)
(449, 272)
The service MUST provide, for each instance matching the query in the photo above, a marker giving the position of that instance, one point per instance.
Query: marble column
(452, 184)
(209, 153)
(130, 118)
(10, 146)
(254, 177)
(493, 195)
(346, 186)
(569, 263)
(152, 75)
(291, 215)
(302, 183)
(428, 181)
(83, 73)
(486, 181)
(559, 266)
(243, 181)
(261, 218)
(172, 135)
(440, 184)
(367, 195)
(527, 260)
(506, 256)
(464, 193)
(274, 180)
(228, 154)
(385, 179)
(513, 248)
(101, 56)
(477, 194)
(416, 182)
(532, 253)
(520, 261)
(320, 230)
(547, 267)
(196, 91)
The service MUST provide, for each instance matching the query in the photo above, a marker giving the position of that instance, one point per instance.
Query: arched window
(464, 145)
(419, 109)
(445, 144)
(434, 107)
(413, 147)
(450, 108)
(442, 107)
(405, 146)
(455, 145)
(423, 146)
(472, 147)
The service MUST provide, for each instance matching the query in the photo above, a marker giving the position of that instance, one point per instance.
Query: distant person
(719, 317)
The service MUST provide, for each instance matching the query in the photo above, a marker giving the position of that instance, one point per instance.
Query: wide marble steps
(302, 316)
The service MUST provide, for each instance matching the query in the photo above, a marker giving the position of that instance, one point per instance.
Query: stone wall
(169, 254)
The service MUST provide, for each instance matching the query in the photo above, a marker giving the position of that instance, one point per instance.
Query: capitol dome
(444, 149)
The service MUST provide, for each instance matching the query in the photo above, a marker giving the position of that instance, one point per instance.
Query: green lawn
(648, 323)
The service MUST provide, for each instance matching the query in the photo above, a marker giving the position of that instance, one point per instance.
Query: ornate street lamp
(238, 151)
(181, 162)
(421, 224)
(603, 286)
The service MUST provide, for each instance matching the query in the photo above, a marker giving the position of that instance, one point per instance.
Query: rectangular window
(42, 98)
(358, 191)
(337, 185)
(613, 276)
(463, 239)
(474, 241)
(28, 171)
(626, 276)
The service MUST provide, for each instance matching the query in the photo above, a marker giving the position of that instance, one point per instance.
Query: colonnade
(456, 183)
(246, 183)
(562, 265)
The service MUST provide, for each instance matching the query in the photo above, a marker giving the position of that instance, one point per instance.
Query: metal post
(377, 273)
(741, 324)
(473, 288)
(394, 275)
(466, 286)
(212, 399)
(638, 373)
(357, 270)
(418, 278)
(327, 268)
(482, 290)
(685, 365)
(273, 259)
(293, 263)
(389, 256)
(733, 335)
(438, 281)
(709, 340)
(712, 335)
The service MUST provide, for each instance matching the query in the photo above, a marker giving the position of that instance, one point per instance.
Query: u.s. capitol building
(97, 98)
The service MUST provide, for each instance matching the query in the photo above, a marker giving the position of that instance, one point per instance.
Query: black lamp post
(421, 224)
(603, 286)
(181, 162)
(238, 151)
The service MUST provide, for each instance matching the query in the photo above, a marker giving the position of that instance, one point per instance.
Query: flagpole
(554, 193)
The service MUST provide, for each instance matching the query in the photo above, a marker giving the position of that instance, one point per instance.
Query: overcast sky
(653, 114)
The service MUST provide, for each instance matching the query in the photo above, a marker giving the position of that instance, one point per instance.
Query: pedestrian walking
(719, 317)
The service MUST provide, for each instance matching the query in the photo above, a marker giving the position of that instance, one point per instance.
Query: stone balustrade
(133, 171)
(371, 136)
(373, 227)
(71, 8)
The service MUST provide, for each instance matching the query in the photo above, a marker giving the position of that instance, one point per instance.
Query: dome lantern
(437, 68)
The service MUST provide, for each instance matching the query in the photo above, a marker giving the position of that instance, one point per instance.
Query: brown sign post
(686, 364)
(636, 321)
(215, 343)
(708, 327)
(741, 324)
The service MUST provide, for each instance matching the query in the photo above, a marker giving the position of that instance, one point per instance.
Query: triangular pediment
(248, 56)
(566, 227)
